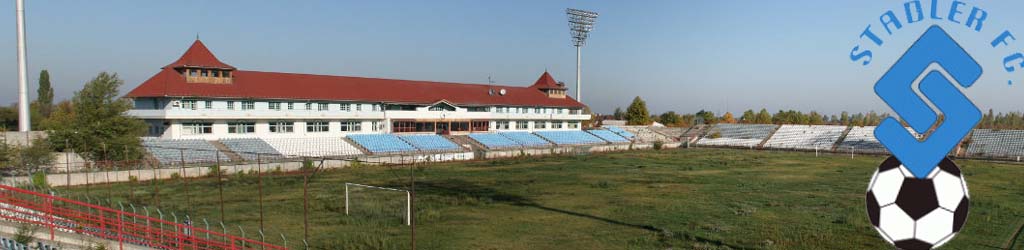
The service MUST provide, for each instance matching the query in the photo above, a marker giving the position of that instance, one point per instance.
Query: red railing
(58, 214)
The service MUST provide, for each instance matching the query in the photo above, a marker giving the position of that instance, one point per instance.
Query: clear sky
(677, 55)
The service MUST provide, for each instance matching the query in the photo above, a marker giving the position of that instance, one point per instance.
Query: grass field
(680, 199)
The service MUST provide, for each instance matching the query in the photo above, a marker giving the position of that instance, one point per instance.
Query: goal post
(408, 198)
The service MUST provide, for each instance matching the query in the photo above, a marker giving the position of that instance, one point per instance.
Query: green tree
(29, 159)
(763, 117)
(708, 116)
(96, 125)
(748, 117)
(618, 114)
(670, 118)
(637, 113)
(815, 118)
(44, 98)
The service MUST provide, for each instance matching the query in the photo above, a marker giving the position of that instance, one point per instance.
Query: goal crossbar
(408, 199)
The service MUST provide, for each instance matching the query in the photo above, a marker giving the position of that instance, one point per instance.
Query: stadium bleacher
(382, 143)
(645, 134)
(807, 137)
(862, 139)
(494, 140)
(608, 136)
(312, 147)
(621, 132)
(674, 132)
(170, 151)
(736, 135)
(999, 144)
(249, 148)
(430, 142)
(526, 139)
(693, 133)
(570, 137)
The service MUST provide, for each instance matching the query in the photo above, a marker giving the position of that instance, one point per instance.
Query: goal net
(379, 203)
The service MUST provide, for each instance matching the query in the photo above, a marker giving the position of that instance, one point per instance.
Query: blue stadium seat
(621, 132)
(526, 139)
(570, 137)
(608, 136)
(430, 142)
(494, 140)
(382, 143)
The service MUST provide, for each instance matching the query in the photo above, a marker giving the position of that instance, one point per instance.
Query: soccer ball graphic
(914, 213)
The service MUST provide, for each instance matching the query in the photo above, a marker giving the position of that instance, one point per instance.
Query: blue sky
(677, 55)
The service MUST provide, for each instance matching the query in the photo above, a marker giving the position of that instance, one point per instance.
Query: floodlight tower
(581, 22)
(23, 119)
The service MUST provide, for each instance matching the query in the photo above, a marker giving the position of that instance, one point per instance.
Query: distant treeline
(637, 114)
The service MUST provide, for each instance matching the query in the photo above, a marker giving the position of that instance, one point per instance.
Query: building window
(560, 111)
(231, 105)
(477, 109)
(193, 72)
(346, 107)
(537, 110)
(574, 125)
(204, 73)
(459, 126)
(309, 106)
(321, 106)
(241, 127)
(282, 127)
(188, 104)
(480, 125)
(274, 105)
(540, 125)
(209, 104)
(522, 125)
(248, 105)
(319, 126)
(351, 126)
(291, 106)
(376, 126)
(556, 125)
(197, 128)
(526, 110)
(436, 108)
(359, 107)
(500, 110)
(502, 125)
(376, 107)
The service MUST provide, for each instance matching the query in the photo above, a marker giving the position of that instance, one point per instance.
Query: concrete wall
(21, 138)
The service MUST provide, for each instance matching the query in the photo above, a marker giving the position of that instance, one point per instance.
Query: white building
(200, 97)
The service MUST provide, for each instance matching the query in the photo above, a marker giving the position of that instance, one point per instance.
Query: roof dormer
(199, 65)
(549, 86)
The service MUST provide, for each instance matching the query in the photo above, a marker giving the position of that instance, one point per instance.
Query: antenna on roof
(489, 79)
(197, 35)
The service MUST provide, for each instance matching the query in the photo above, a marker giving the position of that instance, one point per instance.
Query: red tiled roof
(271, 85)
(199, 56)
(547, 82)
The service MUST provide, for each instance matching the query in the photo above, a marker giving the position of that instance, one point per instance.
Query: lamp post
(581, 22)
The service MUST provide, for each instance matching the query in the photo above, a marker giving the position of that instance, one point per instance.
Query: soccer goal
(380, 201)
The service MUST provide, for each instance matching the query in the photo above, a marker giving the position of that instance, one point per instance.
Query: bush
(25, 234)
(39, 180)
(214, 171)
(175, 176)
(658, 145)
(307, 164)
